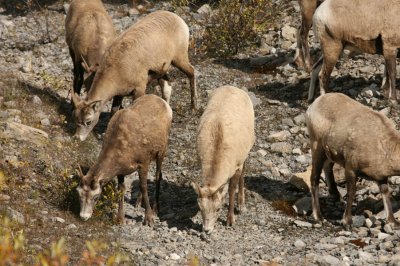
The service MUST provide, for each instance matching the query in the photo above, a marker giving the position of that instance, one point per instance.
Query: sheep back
(351, 134)
(137, 134)
(225, 134)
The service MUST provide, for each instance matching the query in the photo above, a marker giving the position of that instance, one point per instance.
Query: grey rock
(358, 221)
(303, 206)
(382, 236)
(302, 223)
(45, 122)
(279, 136)
(15, 215)
(58, 219)
(328, 260)
(365, 256)
(262, 152)
(36, 100)
(299, 244)
(288, 122)
(300, 119)
(71, 226)
(289, 33)
(205, 10)
(254, 99)
(388, 229)
(281, 147)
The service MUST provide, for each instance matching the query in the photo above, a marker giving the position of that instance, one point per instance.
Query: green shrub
(236, 24)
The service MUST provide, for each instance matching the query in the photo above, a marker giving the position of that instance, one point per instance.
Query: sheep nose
(208, 230)
(85, 216)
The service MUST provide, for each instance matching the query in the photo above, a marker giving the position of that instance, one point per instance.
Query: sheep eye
(87, 123)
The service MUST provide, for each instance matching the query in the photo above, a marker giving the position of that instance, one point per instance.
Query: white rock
(297, 151)
(365, 256)
(262, 152)
(289, 33)
(279, 136)
(174, 256)
(302, 224)
(204, 10)
(328, 260)
(299, 244)
(382, 236)
(58, 219)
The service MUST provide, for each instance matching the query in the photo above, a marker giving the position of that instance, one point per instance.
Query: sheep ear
(75, 99)
(196, 188)
(96, 105)
(220, 190)
(80, 172)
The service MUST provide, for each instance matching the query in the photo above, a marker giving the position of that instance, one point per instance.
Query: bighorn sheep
(302, 56)
(224, 138)
(135, 136)
(143, 52)
(89, 31)
(363, 141)
(341, 24)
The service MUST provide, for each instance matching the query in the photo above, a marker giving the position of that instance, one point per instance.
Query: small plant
(11, 245)
(237, 24)
(106, 204)
(55, 256)
(91, 255)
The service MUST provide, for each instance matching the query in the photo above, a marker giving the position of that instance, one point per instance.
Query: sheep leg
(121, 191)
(385, 191)
(318, 159)
(116, 104)
(302, 57)
(184, 65)
(148, 217)
(166, 89)
(330, 180)
(390, 65)
(78, 73)
(331, 52)
(233, 183)
(351, 192)
(156, 203)
(241, 201)
(314, 78)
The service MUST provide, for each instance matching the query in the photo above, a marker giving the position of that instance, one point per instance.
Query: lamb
(302, 56)
(142, 53)
(135, 136)
(89, 32)
(341, 24)
(224, 138)
(363, 141)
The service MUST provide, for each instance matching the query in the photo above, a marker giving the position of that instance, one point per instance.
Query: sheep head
(209, 203)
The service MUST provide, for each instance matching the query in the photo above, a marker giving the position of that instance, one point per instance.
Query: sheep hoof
(149, 219)
(230, 221)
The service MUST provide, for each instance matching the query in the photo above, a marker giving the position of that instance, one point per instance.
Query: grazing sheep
(135, 136)
(302, 56)
(363, 141)
(224, 138)
(88, 31)
(143, 52)
(367, 25)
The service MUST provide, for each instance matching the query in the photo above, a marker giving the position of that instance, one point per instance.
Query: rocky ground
(39, 157)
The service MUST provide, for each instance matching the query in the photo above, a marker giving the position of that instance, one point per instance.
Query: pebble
(328, 260)
(382, 236)
(4, 197)
(281, 147)
(279, 136)
(299, 244)
(58, 219)
(72, 226)
(174, 256)
(302, 223)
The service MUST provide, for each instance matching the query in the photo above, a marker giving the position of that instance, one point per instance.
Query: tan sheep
(361, 140)
(369, 26)
(135, 136)
(143, 52)
(224, 139)
(88, 32)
